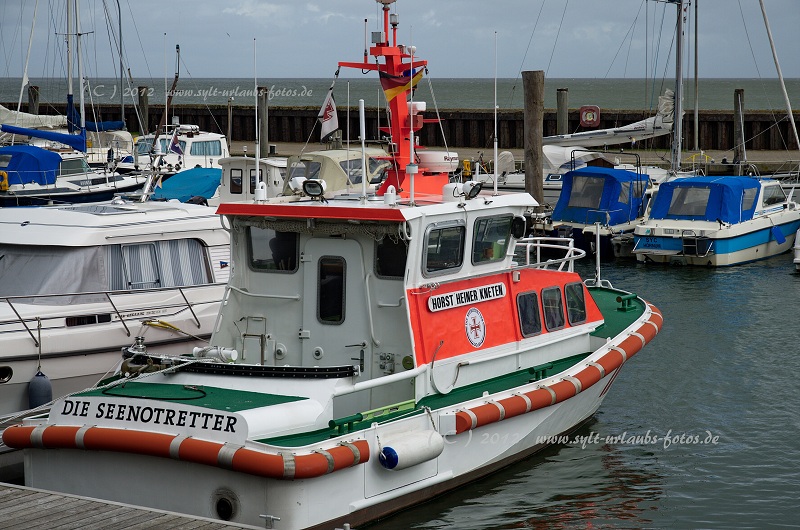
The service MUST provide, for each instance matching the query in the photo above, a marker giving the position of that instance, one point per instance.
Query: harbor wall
(462, 127)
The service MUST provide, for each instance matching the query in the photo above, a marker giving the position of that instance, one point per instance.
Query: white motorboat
(716, 222)
(78, 283)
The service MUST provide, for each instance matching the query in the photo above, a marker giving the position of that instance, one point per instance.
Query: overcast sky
(565, 38)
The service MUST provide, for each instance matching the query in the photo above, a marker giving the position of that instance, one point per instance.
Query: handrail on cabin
(569, 252)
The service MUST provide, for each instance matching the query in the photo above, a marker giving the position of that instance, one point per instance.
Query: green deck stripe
(196, 395)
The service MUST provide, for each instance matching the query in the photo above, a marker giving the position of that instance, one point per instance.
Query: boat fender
(3, 181)
(411, 449)
(40, 390)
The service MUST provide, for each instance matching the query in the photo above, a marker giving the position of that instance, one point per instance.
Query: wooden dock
(23, 508)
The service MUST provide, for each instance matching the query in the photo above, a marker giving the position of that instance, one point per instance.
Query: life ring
(3, 181)
(590, 116)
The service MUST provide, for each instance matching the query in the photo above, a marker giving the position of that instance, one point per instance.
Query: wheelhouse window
(576, 303)
(390, 258)
(272, 251)
(553, 308)
(586, 192)
(330, 292)
(236, 181)
(445, 249)
(253, 180)
(206, 148)
(491, 238)
(530, 322)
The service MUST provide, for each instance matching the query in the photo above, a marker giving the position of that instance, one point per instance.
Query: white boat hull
(371, 490)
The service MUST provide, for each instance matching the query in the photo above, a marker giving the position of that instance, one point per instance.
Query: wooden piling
(533, 86)
(739, 153)
(33, 99)
(144, 109)
(562, 111)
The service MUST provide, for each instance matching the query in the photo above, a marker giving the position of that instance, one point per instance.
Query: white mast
(677, 130)
(80, 71)
(255, 91)
(69, 50)
(780, 74)
(495, 113)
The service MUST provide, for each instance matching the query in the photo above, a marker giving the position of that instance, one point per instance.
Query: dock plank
(24, 508)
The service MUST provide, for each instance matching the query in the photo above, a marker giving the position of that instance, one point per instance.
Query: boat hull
(371, 491)
(721, 249)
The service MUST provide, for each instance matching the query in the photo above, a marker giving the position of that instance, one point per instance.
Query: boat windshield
(376, 169)
(144, 145)
(73, 166)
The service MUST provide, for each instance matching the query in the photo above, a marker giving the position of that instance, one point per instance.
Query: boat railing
(84, 315)
(548, 252)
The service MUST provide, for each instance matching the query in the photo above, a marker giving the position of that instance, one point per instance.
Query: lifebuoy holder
(590, 116)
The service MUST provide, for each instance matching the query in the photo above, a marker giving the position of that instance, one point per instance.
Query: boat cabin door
(335, 330)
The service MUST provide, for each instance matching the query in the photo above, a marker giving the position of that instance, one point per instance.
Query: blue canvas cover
(26, 164)
(598, 194)
(195, 182)
(726, 199)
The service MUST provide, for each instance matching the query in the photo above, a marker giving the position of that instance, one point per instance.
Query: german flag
(393, 85)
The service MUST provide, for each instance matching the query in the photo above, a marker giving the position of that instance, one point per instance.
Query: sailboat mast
(677, 132)
(80, 65)
(780, 74)
(69, 52)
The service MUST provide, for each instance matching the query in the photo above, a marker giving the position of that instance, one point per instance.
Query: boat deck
(29, 509)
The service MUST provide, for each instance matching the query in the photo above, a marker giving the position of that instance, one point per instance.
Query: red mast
(399, 71)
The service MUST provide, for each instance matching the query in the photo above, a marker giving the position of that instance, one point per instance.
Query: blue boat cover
(598, 194)
(195, 182)
(26, 164)
(727, 199)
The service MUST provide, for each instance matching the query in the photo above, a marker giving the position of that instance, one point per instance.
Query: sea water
(700, 429)
(444, 93)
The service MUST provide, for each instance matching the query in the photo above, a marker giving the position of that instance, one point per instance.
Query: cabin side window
(491, 238)
(444, 249)
(576, 303)
(553, 308)
(330, 291)
(530, 322)
(206, 148)
(73, 166)
(272, 251)
(170, 263)
(236, 181)
(390, 258)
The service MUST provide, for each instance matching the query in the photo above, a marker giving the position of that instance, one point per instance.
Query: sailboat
(58, 171)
